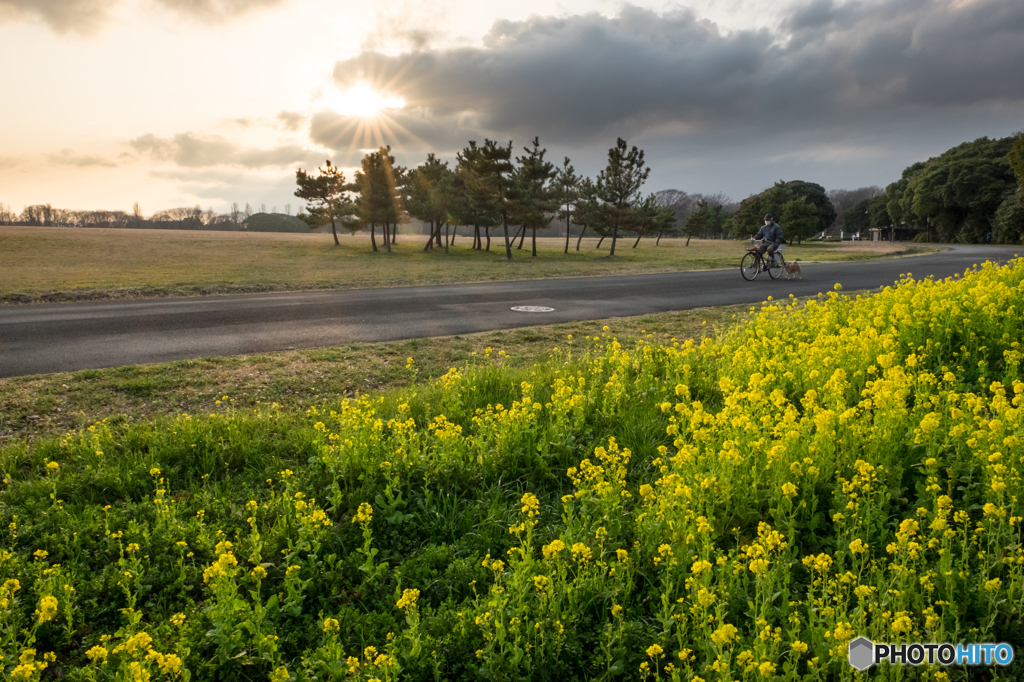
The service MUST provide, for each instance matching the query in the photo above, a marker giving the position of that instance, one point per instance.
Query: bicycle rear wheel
(777, 266)
(749, 266)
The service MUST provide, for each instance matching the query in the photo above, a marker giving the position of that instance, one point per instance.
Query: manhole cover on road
(532, 309)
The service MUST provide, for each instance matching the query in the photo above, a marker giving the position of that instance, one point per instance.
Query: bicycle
(753, 262)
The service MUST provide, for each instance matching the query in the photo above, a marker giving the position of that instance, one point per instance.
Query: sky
(182, 102)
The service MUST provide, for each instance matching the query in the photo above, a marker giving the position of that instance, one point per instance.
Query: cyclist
(771, 236)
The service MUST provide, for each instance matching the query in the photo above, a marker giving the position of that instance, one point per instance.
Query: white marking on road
(532, 309)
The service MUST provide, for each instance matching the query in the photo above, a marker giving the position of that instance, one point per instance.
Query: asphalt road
(45, 338)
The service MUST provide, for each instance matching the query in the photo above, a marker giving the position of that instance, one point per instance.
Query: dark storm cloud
(576, 79)
(201, 151)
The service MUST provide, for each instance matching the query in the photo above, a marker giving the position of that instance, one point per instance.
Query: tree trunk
(394, 233)
(487, 231)
(437, 237)
(373, 237)
(522, 236)
(387, 236)
(615, 238)
(581, 237)
(687, 240)
(430, 240)
(508, 244)
(455, 233)
(445, 236)
(658, 240)
(637, 240)
(566, 232)
(600, 241)
(477, 245)
(534, 240)
(334, 231)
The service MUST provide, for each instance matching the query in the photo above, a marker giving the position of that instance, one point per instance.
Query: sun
(362, 101)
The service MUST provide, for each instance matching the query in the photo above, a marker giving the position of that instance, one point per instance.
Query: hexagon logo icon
(862, 653)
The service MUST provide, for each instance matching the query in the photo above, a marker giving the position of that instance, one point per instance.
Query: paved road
(44, 338)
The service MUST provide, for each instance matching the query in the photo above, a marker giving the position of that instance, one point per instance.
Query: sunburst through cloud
(368, 120)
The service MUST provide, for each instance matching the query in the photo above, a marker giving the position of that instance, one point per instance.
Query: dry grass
(39, 405)
(52, 263)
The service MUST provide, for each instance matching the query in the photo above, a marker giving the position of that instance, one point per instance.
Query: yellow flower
(540, 582)
(178, 619)
(552, 549)
(331, 625)
(857, 546)
(408, 599)
(799, 647)
(788, 489)
(654, 651)
(725, 634)
(581, 552)
(364, 514)
(768, 669)
(97, 654)
(993, 585)
(53, 466)
(259, 572)
(531, 505)
(47, 609)
(280, 675)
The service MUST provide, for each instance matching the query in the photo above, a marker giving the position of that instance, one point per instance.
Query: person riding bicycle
(771, 236)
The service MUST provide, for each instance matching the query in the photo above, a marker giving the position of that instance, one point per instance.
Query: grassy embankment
(53, 264)
(34, 406)
(738, 508)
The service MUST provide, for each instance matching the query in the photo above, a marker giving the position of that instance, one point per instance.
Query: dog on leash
(793, 270)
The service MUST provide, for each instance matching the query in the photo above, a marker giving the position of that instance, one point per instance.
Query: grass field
(52, 264)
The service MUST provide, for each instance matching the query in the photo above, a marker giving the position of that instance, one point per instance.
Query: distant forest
(194, 218)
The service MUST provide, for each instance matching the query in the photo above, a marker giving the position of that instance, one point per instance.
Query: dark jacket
(772, 232)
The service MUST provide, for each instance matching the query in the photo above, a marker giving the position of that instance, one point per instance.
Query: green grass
(54, 264)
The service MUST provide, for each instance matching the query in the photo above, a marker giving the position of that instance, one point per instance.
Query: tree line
(489, 187)
(971, 193)
(181, 218)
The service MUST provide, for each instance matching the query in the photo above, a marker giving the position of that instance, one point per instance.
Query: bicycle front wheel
(777, 266)
(749, 266)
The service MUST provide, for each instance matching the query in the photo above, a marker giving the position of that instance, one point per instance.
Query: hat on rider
(769, 216)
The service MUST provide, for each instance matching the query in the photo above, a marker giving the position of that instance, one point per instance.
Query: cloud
(63, 16)
(829, 66)
(291, 120)
(12, 162)
(218, 9)
(88, 16)
(192, 150)
(68, 157)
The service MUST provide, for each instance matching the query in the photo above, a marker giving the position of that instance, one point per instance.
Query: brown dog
(793, 270)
